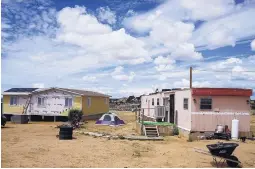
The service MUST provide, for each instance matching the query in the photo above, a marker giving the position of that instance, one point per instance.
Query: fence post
(142, 122)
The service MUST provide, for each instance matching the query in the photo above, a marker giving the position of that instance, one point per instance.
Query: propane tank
(234, 129)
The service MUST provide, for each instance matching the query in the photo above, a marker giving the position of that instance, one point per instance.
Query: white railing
(160, 111)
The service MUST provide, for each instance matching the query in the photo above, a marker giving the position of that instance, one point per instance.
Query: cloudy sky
(128, 47)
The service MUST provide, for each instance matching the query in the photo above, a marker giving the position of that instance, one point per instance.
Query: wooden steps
(151, 131)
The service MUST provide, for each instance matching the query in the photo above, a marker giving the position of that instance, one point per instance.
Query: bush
(74, 117)
(175, 130)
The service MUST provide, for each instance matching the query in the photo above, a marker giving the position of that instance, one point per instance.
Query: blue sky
(128, 47)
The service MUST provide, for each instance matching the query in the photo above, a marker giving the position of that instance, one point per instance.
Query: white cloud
(186, 51)
(253, 45)
(38, 85)
(85, 23)
(171, 33)
(230, 62)
(205, 10)
(106, 15)
(164, 64)
(177, 10)
(226, 22)
(184, 83)
(117, 70)
(118, 74)
(110, 45)
(136, 91)
(237, 69)
(89, 78)
(226, 30)
(160, 60)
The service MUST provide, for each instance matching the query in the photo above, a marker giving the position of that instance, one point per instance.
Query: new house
(53, 101)
(199, 109)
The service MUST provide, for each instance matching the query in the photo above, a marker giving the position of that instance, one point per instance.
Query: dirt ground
(36, 145)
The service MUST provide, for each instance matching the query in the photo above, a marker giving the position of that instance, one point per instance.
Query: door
(171, 108)
(149, 107)
(166, 104)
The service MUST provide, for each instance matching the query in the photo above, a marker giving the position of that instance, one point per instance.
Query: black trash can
(65, 133)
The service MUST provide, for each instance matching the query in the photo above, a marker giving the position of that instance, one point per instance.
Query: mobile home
(199, 109)
(53, 101)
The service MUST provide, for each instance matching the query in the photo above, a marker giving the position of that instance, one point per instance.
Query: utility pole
(190, 77)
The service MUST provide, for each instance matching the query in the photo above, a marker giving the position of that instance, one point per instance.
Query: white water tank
(234, 129)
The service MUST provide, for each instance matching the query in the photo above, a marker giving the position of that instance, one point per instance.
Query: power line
(230, 71)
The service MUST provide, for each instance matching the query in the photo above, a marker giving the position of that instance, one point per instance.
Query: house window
(158, 101)
(152, 103)
(14, 100)
(40, 101)
(206, 103)
(89, 102)
(68, 102)
(185, 103)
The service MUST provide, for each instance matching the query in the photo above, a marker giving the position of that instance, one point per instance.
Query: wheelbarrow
(223, 152)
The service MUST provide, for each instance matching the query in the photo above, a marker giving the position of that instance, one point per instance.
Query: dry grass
(35, 145)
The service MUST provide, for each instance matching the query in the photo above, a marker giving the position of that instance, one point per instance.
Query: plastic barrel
(65, 133)
(234, 129)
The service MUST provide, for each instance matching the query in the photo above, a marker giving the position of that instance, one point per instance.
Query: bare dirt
(36, 145)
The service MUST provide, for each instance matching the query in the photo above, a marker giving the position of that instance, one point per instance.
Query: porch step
(151, 131)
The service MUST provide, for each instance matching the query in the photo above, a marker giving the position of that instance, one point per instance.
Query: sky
(124, 48)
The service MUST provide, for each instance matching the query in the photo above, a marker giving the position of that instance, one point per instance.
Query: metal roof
(21, 90)
(85, 92)
(26, 91)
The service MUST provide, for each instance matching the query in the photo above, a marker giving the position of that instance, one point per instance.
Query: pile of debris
(115, 137)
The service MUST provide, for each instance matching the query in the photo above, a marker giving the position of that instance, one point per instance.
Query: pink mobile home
(199, 109)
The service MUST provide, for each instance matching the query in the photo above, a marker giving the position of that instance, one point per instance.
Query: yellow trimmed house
(53, 101)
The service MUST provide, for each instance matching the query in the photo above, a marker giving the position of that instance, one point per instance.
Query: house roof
(85, 92)
(221, 92)
(19, 91)
(27, 91)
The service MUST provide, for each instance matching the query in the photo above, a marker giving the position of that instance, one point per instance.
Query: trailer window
(89, 101)
(40, 101)
(185, 103)
(206, 103)
(68, 102)
(14, 100)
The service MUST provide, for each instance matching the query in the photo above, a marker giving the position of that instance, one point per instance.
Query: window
(206, 103)
(185, 103)
(158, 101)
(152, 103)
(89, 102)
(14, 100)
(40, 101)
(105, 100)
(68, 102)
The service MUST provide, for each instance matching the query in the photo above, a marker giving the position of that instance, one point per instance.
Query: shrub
(74, 117)
(175, 130)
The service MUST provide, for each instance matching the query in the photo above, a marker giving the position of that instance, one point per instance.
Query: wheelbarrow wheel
(231, 163)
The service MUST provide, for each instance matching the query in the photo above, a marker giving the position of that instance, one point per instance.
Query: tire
(231, 163)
